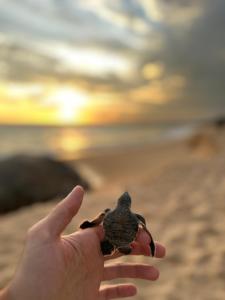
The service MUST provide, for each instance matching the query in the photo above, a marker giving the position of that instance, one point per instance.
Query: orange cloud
(159, 91)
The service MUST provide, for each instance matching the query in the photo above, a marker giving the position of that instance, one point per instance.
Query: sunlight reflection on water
(68, 143)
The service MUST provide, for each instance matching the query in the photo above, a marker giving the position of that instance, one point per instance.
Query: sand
(179, 187)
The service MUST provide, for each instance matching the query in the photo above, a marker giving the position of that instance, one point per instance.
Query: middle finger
(128, 270)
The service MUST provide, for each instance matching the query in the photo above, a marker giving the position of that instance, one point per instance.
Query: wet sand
(179, 187)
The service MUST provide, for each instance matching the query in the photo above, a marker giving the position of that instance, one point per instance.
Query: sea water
(80, 141)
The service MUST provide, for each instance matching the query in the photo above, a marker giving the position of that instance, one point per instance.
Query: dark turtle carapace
(121, 226)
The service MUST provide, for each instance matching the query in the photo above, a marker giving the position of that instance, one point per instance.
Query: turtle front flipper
(152, 244)
(142, 219)
(97, 220)
(106, 247)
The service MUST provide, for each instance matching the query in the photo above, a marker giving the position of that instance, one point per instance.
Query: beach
(179, 186)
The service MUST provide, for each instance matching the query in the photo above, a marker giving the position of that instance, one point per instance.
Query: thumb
(63, 213)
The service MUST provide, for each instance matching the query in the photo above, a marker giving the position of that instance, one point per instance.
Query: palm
(83, 249)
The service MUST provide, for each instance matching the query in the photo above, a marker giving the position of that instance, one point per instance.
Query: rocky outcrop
(29, 179)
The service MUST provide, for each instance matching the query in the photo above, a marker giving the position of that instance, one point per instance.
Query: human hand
(56, 267)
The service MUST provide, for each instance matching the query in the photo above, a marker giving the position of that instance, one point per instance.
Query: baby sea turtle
(121, 226)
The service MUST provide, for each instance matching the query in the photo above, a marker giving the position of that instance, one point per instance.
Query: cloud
(21, 64)
(148, 52)
(194, 52)
(174, 11)
(159, 91)
(63, 21)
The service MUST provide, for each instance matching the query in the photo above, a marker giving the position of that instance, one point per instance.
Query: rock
(29, 179)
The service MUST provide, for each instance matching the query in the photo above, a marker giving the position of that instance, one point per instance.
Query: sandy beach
(179, 187)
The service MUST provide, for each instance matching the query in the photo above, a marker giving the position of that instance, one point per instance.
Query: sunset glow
(69, 105)
(110, 62)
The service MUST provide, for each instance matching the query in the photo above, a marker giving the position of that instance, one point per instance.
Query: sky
(102, 61)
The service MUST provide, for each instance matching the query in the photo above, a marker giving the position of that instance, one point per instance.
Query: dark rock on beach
(29, 179)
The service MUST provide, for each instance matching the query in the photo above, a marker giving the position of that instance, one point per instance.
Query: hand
(56, 267)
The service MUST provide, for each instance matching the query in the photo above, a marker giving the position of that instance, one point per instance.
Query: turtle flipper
(97, 220)
(142, 219)
(106, 247)
(125, 250)
(151, 244)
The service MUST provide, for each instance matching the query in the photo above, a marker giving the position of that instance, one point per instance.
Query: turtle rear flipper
(125, 250)
(97, 221)
(106, 247)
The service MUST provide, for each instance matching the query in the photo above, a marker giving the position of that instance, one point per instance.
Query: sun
(70, 104)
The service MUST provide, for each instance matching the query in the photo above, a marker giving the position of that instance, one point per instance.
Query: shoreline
(68, 144)
(177, 135)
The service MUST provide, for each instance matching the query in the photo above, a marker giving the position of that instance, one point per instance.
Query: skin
(57, 267)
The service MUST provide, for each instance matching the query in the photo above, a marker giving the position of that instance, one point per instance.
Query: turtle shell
(120, 227)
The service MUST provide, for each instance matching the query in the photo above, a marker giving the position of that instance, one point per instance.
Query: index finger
(138, 249)
(141, 245)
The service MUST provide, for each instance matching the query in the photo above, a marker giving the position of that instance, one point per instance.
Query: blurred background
(118, 95)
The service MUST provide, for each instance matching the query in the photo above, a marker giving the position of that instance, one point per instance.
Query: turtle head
(125, 200)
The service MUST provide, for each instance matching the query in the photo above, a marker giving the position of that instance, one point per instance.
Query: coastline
(74, 143)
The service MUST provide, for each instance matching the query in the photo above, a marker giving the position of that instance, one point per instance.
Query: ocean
(70, 143)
